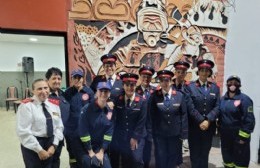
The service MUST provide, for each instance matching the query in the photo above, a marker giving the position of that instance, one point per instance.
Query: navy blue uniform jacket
(95, 127)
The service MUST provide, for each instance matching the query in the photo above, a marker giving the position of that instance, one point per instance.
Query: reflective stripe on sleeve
(243, 134)
(85, 139)
(107, 137)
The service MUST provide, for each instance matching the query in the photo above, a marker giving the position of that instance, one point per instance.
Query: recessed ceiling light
(33, 39)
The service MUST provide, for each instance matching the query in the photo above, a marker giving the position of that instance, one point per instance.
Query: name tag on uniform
(159, 104)
(119, 107)
(136, 109)
(212, 94)
(176, 105)
(55, 114)
(117, 88)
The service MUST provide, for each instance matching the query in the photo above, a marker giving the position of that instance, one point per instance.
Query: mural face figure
(109, 69)
(152, 21)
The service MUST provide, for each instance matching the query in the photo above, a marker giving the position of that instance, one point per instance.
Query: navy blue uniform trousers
(232, 151)
(31, 158)
(200, 143)
(166, 151)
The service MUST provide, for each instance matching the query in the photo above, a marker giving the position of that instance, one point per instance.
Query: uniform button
(167, 109)
(205, 104)
(169, 122)
(127, 130)
(168, 115)
(204, 109)
(126, 117)
(126, 123)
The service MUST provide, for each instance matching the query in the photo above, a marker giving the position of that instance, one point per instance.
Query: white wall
(242, 56)
(44, 55)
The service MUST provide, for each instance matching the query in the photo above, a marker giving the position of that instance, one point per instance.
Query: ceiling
(18, 38)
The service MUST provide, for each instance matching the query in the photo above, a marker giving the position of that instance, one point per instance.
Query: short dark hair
(35, 81)
(53, 71)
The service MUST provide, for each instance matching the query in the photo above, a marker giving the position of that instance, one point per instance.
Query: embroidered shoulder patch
(27, 100)
(137, 99)
(54, 101)
(250, 109)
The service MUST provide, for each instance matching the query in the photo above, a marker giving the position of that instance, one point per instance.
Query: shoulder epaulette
(27, 100)
(54, 101)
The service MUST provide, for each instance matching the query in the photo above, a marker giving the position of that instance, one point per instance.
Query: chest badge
(237, 103)
(109, 115)
(85, 96)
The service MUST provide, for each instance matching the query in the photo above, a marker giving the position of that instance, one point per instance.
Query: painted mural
(147, 32)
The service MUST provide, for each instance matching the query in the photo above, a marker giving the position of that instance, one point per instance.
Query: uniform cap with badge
(181, 65)
(165, 75)
(205, 64)
(129, 78)
(108, 59)
(146, 70)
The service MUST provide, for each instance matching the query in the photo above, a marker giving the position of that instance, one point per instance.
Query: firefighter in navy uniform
(96, 129)
(78, 95)
(54, 78)
(145, 90)
(180, 73)
(109, 66)
(237, 122)
(39, 127)
(181, 85)
(168, 111)
(202, 118)
(129, 116)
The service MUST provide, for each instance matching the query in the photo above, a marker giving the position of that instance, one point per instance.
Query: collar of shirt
(201, 83)
(113, 77)
(54, 93)
(143, 88)
(37, 102)
(131, 99)
(170, 93)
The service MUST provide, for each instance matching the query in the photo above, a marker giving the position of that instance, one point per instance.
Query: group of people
(116, 123)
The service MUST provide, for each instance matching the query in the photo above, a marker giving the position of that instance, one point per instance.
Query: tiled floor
(10, 154)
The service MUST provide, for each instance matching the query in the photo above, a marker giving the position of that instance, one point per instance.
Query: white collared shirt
(143, 88)
(170, 93)
(31, 123)
(113, 78)
(131, 99)
(201, 83)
